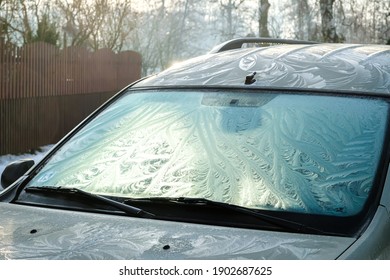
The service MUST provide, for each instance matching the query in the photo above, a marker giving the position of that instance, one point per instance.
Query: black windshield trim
(271, 219)
(280, 90)
(344, 226)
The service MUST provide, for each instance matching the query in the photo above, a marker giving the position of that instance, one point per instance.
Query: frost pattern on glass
(325, 66)
(292, 152)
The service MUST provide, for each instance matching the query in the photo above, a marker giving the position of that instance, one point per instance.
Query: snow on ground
(38, 155)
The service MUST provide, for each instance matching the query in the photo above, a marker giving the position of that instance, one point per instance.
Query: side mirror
(14, 171)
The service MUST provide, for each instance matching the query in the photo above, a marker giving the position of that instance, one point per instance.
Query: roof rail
(237, 43)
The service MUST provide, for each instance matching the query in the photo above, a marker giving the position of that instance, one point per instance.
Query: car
(260, 149)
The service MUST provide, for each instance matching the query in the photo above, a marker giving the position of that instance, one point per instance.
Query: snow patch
(36, 156)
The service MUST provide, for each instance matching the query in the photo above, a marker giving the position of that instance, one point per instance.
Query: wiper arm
(279, 222)
(128, 209)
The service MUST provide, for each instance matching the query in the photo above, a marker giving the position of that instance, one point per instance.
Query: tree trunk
(303, 31)
(264, 6)
(328, 27)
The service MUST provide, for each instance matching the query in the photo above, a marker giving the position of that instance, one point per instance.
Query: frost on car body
(270, 152)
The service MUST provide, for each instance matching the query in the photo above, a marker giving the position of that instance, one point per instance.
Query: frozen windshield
(283, 152)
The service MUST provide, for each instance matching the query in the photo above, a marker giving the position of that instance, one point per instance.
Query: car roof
(346, 67)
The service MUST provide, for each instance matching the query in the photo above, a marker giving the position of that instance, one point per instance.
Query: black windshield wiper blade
(276, 221)
(128, 209)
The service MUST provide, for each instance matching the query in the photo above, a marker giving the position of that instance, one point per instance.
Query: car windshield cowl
(126, 206)
(284, 224)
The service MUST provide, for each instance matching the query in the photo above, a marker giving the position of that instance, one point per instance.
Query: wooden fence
(45, 91)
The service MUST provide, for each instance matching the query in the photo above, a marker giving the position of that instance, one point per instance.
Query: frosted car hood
(38, 233)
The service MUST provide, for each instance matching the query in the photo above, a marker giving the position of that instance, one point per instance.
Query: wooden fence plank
(45, 91)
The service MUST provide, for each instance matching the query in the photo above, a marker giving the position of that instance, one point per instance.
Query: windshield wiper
(128, 209)
(276, 221)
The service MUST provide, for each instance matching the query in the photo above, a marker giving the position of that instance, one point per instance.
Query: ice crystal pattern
(299, 153)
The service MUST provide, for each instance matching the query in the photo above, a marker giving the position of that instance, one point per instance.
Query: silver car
(276, 150)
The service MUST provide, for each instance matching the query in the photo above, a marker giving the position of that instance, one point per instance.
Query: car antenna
(250, 79)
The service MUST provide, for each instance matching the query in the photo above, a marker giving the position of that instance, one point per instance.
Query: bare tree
(264, 6)
(80, 19)
(165, 33)
(97, 23)
(363, 21)
(378, 24)
(118, 22)
(3, 24)
(23, 21)
(304, 20)
(329, 33)
(229, 7)
(16, 21)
